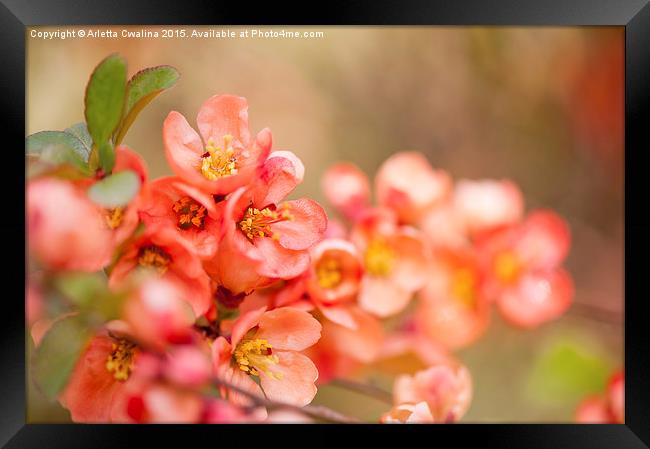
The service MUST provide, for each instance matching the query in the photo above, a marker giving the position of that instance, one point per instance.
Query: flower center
(379, 258)
(218, 162)
(328, 272)
(253, 356)
(507, 267)
(463, 286)
(114, 217)
(155, 257)
(257, 223)
(120, 360)
(189, 213)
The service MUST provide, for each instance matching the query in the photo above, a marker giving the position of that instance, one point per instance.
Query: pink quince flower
(161, 250)
(522, 265)
(75, 240)
(395, 258)
(162, 403)
(453, 309)
(266, 345)
(171, 202)
(264, 238)
(99, 382)
(446, 389)
(347, 188)
(408, 184)
(408, 414)
(487, 205)
(225, 159)
(605, 409)
(159, 314)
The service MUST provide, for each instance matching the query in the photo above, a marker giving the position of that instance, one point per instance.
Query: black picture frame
(633, 15)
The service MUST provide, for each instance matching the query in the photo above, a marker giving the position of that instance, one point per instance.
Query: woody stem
(365, 389)
(317, 412)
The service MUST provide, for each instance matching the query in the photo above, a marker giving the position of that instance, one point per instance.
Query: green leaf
(80, 131)
(82, 288)
(39, 142)
(143, 87)
(104, 99)
(115, 190)
(57, 353)
(106, 156)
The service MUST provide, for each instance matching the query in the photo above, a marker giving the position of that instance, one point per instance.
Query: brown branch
(365, 389)
(317, 412)
(596, 313)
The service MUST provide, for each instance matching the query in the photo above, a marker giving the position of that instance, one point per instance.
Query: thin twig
(365, 389)
(319, 412)
(596, 313)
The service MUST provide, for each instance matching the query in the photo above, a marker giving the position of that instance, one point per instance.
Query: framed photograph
(415, 218)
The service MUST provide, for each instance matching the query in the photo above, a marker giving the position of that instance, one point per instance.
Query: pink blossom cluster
(237, 299)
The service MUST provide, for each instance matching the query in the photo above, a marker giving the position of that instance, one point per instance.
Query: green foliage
(115, 190)
(567, 370)
(80, 131)
(57, 152)
(55, 357)
(143, 87)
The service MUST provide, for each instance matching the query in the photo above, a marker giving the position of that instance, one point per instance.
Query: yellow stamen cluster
(120, 360)
(329, 272)
(189, 213)
(507, 267)
(253, 356)
(218, 162)
(379, 258)
(257, 223)
(114, 217)
(154, 257)
(463, 286)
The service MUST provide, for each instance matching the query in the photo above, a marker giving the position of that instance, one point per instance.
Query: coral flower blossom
(522, 264)
(97, 387)
(335, 272)
(395, 262)
(453, 309)
(162, 251)
(265, 346)
(446, 389)
(122, 221)
(226, 158)
(265, 237)
(193, 213)
(169, 316)
(347, 188)
(605, 409)
(485, 205)
(408, 184)
(65, 230)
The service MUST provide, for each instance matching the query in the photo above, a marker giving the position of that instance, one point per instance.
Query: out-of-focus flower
(122, 221)
(266, 345)
(226, 159)
(98, 384)
(162, 403)
(193, 213)
(188, 365)
(218, 411)
(446, 389)
(347, 188)
(75, 240)
(486, 205)
(606, 409)
(265, 238)
(335, 272)
(522, 266)
(408, 414)
(158, 314)
(453, 309)
(161, 250)
(408, 184)
(395, 262)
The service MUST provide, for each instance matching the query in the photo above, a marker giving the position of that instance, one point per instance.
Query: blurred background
(541, 106)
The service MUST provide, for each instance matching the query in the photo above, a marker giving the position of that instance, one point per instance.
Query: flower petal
(306, 227)
(382, 297)
(347, 188)
(281, 173)
(224, 114)
(288, 328)
(297, 386)
(280, 262)
(245, 323)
